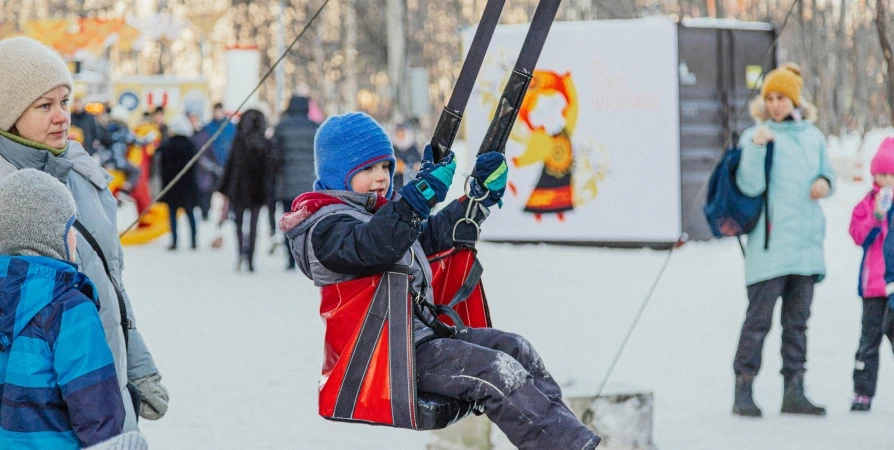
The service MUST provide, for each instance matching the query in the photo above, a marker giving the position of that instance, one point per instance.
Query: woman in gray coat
(34, 122)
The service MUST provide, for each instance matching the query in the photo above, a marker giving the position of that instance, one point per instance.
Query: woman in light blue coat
(789, 261)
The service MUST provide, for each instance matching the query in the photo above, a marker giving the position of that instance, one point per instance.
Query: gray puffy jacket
(88, 184)
(338, 236)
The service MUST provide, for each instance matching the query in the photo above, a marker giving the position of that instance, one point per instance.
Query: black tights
(247, 251)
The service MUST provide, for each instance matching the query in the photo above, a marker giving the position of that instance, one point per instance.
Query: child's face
(884, 179)
(72, 242)
(375, 178)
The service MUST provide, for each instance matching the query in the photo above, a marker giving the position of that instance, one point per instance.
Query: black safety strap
(451, 116)
(768, 164)
(514, 93)
(465, 290)
(469, 284)
(122, 306)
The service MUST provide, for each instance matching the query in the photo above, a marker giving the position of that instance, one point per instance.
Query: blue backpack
(730, 212)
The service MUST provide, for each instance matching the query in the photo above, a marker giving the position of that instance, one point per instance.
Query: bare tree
(881, 23)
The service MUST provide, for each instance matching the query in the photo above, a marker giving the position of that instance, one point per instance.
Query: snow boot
(794, 401)
(744, 402)
(861, 403)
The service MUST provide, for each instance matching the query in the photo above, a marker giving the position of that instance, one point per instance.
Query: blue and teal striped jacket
(59, 387)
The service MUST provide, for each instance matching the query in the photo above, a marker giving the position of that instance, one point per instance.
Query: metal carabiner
(469, 216)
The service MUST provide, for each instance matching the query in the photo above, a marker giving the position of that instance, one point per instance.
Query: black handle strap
(122, 306)
(514, 93)
(768, 164)
(451, 116)
(469, 284)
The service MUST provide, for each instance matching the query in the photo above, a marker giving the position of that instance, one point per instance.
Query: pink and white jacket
(872, 267)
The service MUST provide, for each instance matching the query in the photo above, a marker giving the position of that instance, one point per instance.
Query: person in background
(116, 145)
(91, 130)
(789, 261)
(869, 229)
(293, 150)
(208, 170)
(407, 154)
(245, 180)
(158, 117)
(222, 144)
(175, 153)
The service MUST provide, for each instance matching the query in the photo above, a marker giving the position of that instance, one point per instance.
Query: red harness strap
(369, 372)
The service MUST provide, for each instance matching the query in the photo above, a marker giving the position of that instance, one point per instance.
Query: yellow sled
(153, 225)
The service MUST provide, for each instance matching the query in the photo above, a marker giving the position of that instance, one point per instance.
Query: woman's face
(779, 106)
(47, 120)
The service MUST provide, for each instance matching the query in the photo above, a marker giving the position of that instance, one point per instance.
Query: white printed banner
(594, 155)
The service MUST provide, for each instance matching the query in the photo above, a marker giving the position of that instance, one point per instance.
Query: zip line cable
(689, 216)
(220, 129)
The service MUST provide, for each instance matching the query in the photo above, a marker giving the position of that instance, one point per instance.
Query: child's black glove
(489, 177)
(431, 183)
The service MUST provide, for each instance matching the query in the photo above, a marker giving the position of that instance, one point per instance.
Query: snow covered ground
(241, 353)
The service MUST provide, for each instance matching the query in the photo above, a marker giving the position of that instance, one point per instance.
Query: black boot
(744, 402)
(794, 401)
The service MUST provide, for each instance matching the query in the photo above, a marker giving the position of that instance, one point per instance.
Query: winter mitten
(490, 175)
(131, 440)
(154, 402)
(431, 183)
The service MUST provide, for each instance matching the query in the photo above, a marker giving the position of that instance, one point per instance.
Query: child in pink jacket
(869, 227)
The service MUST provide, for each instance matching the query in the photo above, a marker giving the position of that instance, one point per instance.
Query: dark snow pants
(190, 214)
(878, 321)
(503, 372)
(205, 203)
(797, 294)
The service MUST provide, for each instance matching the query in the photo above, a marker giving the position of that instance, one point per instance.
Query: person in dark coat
(175, 153)
(208, 169)
(86, 122)
(158, 117)
(293, 148)
(407, 155)
(245, 178)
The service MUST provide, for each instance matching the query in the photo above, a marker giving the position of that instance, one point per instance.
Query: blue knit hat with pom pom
(347, 144)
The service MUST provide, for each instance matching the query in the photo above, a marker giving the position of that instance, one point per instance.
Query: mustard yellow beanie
(786, 80)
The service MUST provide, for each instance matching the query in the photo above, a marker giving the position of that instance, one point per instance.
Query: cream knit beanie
(28, 69)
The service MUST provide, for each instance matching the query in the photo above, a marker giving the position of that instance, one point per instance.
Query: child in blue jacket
(59, 387)
(347, 228)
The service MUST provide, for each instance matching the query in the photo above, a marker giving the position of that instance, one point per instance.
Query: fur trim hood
(758, 109)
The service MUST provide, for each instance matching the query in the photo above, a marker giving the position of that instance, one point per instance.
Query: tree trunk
(881, 24)
(397, 57)
(350, 88)
(841, 66)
